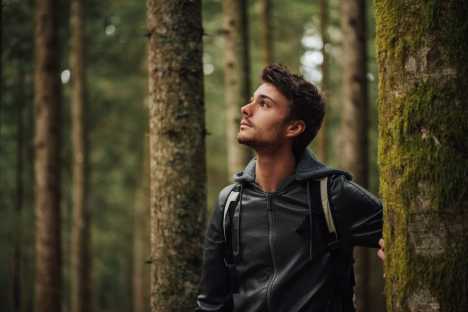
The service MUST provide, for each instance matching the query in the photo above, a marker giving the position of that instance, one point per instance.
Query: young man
(273, 250)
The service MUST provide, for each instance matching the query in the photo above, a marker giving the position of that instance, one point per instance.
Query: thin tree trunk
(141, 237)
(355, 102)
(138, 253)
(245, 48)
(354, 119)
(177, 152)
(28, 263)
(47, 162)
(1, 63)
(266, 29)
(423, 92)
(236, 78)
(17, 254)
(322, 142)
(80, 275)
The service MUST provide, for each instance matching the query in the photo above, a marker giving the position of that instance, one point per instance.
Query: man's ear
(295, 128)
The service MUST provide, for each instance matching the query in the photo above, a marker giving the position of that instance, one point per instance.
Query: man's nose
(246, 109)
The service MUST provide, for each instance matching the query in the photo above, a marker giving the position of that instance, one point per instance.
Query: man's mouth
(245, 123)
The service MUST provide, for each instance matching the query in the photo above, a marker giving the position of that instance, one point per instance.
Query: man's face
(264, 118)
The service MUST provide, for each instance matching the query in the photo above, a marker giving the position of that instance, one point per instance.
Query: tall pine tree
(80, 295)
(266, 29)
(236, 78)
(322, 138)
(47, 100)
(355, 127)
(177, 152)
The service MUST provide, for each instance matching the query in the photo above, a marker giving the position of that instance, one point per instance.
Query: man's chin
(245, 141)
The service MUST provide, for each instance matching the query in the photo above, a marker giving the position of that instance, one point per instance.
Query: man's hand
(381, 252)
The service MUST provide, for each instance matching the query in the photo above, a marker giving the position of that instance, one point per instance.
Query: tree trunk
(266, 29)
(354, 119)
(1, 59)
(236, 78)
(47, 163)
(28, 263)
(322, 142)
(141, 237)
(80, 246)
(177, 152)
(17, 254)
(354, 123)
(423, 92)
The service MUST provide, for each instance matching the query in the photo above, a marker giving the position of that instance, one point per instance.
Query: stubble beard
(255, 143)
(245, 141)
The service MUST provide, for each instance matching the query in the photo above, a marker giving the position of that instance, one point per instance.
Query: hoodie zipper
(272, 252)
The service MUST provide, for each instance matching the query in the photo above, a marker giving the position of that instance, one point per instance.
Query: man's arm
(361, 211)
(215, 291)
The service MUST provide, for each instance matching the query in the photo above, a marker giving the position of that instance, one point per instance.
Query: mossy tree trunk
(266, 28)
(177, 152)
(47, 158)
(236, 78)
(423, 113)
(80, 275)
(354, 126)
(322, 142)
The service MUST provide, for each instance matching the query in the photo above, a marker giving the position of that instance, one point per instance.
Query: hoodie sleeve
(360, 213)
(215, 293)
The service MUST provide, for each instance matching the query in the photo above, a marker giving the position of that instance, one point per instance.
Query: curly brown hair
(305, 102)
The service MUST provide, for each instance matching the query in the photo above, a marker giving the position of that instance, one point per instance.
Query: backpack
(342, 257)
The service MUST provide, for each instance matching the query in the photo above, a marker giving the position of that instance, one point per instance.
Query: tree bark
(266, 29)
(1, 59)
(236, 78)
(17, 253)
(354, 123)
(141, 237)
(423, 91)
(80, 290)
(47, 162)
(177, 152)
(354, 117)
(322, 140)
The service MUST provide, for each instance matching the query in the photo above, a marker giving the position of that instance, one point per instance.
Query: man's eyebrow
(267, 97)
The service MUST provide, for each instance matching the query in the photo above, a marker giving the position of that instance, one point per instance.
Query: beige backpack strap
(233, 196)
(326, 206)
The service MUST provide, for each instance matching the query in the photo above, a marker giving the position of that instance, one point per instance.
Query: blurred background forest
(117, 125)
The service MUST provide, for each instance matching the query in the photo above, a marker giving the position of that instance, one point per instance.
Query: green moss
(446, 277)
(422, 154)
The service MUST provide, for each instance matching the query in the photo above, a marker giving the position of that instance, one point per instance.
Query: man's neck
(271, 168)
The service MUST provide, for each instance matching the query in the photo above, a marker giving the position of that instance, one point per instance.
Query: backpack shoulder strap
(231, 201)
(231, 231)
(341, 257)
(326, 207)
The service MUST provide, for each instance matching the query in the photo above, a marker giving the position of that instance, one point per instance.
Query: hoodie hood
(307, 168)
